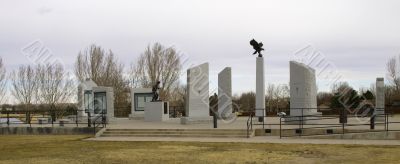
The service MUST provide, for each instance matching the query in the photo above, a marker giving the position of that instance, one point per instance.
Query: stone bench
(62, 122)
(43, 120)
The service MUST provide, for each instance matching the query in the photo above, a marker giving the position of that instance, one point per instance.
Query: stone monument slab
(225, 92)
(197, 96)
(303, 90)
(379, 99)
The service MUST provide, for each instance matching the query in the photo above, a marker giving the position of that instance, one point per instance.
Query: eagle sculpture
(257, 47)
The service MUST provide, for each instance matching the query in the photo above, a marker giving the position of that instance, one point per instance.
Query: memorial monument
(225, 93)
(260, 81)
(139, 98)
(95, 100)
(197, 96)
(303, 90)
(156, 110)
(379, 99)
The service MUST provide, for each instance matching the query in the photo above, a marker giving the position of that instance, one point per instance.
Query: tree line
(53, 85)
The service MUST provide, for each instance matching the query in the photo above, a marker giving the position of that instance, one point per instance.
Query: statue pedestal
(156, 111)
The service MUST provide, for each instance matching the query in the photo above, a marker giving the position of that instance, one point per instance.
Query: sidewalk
(263, 139)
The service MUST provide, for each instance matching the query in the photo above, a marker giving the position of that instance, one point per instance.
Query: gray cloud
(358, 36)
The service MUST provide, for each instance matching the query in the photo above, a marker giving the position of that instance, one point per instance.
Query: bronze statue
(155, 89)
(257, 46)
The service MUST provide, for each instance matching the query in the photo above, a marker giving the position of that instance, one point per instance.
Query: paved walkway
(239, 123)
(269, 139)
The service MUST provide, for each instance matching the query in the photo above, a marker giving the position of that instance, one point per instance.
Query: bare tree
(55, 87)
(3, 88)
(271, 96)
(392, 69)
(157, 63)
(277, 96)
(178, 95)
(177, 99)
(324, 98)
(24, 84)
(246, 102)
(282, 95)
(341, 88)
(105, 70)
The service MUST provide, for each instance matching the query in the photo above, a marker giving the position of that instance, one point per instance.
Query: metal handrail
(301, 119)
(26, 117)
(249, 124)
(103, 122)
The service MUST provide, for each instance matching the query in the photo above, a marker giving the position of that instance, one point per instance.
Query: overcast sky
(357, 36)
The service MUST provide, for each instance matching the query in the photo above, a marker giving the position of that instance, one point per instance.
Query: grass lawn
(72, 149)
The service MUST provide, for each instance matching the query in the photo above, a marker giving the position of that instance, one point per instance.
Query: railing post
(76, 118)
(299, 118)
(248, 126)
(52, 118)
(387, 121)
(264, 119)
(301, 122)
(215, 120)
(384, 119)
(29, 116)
(8, 118)
(372, 122)
(89, 120)
(94, 127)
(342, 127)
(302, 118)
(344, 119)
(248, 136)
(105, 120)
(251, 121)
(280, 127)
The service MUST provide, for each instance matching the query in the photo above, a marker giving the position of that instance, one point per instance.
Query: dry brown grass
(72, 149)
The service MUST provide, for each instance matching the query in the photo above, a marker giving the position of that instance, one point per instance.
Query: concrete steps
(217, 133)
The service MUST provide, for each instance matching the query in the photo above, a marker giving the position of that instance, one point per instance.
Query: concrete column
(225, 93)
(110, 104)
(380, 98)
(260, 88)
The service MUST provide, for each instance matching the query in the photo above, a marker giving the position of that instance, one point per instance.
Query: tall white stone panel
(260, 87)
(197, 98)
(303, 90)
(380, 98)
(225, 92)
